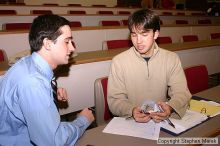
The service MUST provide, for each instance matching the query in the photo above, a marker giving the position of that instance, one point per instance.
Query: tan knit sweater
(133, 80)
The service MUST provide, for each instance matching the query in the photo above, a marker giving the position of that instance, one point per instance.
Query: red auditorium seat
(76, 12)
(180, 13)
(124, 12)
(16, 26)
(41, 12)
(75, 24)
(115, 44)
(50, 4)
(167, 13)
(98, 5)
(164, 40)
(182, 22)
(204, 21)
(75, 5)
(190, 38)
(197, 78)
(197, 14)
(10, 12)
(215, 35)
(109, 23)
(3, 56)
(124, 22)
(105, 12)
(103, 114)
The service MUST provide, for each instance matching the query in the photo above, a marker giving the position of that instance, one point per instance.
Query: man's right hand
(88, 114)
(139, 116)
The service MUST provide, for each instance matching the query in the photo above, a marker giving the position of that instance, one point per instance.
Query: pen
(168, 120)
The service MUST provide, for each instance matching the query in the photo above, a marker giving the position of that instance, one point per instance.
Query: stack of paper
(189, 120)
(209, 108)
(121, 126)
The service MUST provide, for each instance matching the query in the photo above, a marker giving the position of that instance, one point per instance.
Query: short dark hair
(144, 18)
(45, 26)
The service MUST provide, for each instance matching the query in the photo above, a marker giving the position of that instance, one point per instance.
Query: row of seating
(196, 76)
(125, 43)
(13, 12)
(23, 26)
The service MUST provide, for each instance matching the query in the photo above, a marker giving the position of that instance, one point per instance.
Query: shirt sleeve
(43, 119)
(178, 90)
(118, 101)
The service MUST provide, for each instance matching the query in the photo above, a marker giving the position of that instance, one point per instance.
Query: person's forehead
(65, 31)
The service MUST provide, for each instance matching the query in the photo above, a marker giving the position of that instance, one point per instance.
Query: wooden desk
(3, 67)
(211, 128)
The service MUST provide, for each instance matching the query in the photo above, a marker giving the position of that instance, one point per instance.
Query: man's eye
(133, 35)
(144, 34)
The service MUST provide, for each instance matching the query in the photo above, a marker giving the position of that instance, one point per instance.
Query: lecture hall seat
(215, 35)
(75, 24)
(16, 26)
(3, 56)
(124, 12)
(50, 4)
(41, 12)
(164, 40)
(110, 23)
(197, 78)
(117, 44)
(102, 112)
(189, 38)
(74, 5)
(105, 12)
(76, 12)
(167, 13)
(8, 12)
(124, 22)
(98, 5)
(204, 21)
(180, 13)
(181, 22)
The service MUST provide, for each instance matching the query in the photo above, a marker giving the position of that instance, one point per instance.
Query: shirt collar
(42, 65)
(154, 46)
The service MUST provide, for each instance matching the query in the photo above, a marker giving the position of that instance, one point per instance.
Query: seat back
(164, 40)
(110, 23)
(6, 12)
(41, 12)
(124, 22)
(102, 112)
(215, 35)
(76, 12)
(16, 26)
(105, 12)
(190, 38)
(182, 22)
(197, 78)
(74, 5)
(124, 12)
(115, 44)
(204, 21)
(75, 24)
(3, 56)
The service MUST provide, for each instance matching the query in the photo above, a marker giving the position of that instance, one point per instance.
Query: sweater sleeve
(177, 87)
(117, 98)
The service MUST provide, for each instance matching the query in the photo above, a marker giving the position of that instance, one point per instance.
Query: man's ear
(156, 34)
(47, 43)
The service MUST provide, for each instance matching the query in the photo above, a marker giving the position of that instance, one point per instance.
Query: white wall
(109, 3)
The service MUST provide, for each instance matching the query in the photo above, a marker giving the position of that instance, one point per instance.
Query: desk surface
(210, 128)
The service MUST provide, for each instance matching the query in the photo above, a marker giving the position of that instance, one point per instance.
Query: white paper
(190, 119)
(121, 126)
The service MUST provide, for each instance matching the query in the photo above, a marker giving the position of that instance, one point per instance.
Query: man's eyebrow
(69, 38)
